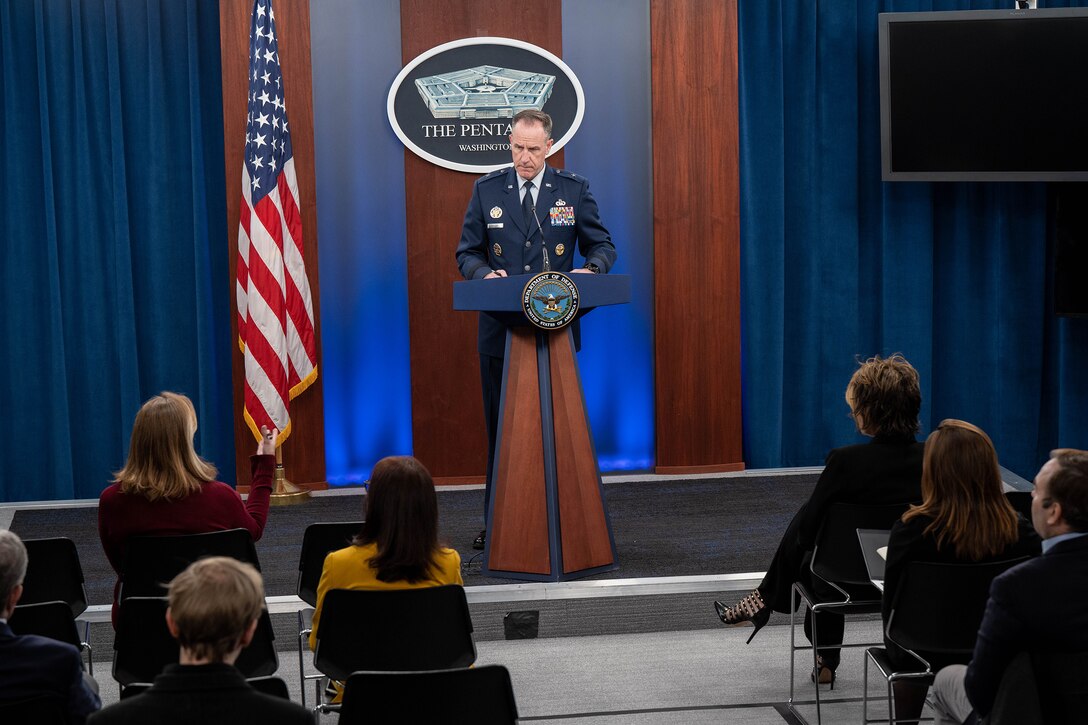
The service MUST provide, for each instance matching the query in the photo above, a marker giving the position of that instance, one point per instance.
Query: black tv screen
(984, 95)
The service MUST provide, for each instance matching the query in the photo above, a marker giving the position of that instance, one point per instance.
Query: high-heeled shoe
(822, 674)
(749, 609)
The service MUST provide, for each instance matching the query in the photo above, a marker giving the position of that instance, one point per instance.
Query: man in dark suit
(213, 613)
(525, 219)
(32, 666)
(1038, 606)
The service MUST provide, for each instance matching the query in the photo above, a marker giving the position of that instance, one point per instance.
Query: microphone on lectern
(543, 244)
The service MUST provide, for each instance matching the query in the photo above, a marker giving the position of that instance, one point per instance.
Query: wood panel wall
(304, 450)
(696, 232)
(447, 409)
(693, 47)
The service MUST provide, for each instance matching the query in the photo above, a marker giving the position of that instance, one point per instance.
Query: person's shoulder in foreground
(206, 695)
(213, 612)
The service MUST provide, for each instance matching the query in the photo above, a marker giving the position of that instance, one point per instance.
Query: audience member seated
(30, 665)
(1038, 606)
(884, 400)
(213, 613)
(398, 547)
(964, 517)
(165, 488)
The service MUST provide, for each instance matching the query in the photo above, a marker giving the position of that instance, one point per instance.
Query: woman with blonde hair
(165, 488)
(964, 517)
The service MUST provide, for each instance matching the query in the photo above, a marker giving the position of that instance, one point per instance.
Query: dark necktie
(527, 207)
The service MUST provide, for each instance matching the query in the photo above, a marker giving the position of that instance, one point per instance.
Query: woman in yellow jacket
(398, 547)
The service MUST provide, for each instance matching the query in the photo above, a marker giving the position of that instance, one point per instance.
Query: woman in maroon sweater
(165, 488)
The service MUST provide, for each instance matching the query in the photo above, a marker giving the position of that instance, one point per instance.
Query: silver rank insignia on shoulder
(497, 249)
(559, 249)
(496, 212)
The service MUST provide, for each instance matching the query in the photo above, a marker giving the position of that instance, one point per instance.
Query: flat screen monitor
(984, 95)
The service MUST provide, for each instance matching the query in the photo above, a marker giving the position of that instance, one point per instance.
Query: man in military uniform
(521, 220)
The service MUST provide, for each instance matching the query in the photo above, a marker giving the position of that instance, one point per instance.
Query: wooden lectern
(547, 519)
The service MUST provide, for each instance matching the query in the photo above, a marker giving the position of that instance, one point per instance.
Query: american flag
(275, 310)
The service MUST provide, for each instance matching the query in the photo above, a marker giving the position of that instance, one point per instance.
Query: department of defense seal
(550, 300)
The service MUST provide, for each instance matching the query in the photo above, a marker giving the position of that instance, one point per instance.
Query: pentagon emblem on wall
(453, 104)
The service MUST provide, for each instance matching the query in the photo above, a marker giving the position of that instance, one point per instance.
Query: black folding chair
(270, 685)
(151, 562)
(53, 573)
(1041, 688)
(838, 561)
(143, 645)
(937, 611)
(318, 540)
(1021, 501)
(48, 619)
(393, 631)
(476, 696)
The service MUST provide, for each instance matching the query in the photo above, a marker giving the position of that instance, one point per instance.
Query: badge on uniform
(561, 215)
(559, 249)
(494, 225)
(497, 249)
(496, 212)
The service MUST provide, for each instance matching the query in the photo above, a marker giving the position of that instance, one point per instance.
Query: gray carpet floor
(667, 678)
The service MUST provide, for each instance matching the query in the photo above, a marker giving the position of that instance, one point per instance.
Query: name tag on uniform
(562, 216)
(494, 225)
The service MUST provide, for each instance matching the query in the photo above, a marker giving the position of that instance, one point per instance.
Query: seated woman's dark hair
(402, 519)
(963, 494)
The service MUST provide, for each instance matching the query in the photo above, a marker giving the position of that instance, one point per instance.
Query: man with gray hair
(213, 612)
(32, 666)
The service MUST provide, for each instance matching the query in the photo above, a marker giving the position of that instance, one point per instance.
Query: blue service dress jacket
(495, 235)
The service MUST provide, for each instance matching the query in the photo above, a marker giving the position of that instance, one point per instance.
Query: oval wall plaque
(452, 105)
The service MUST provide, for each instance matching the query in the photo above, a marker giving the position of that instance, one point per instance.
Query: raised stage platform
(681, 542)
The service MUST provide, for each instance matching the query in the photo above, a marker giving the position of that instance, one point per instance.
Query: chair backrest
(1017, 699)
(142, 643)
(269, 685)
(39, 709)
(837, 556)
(480, 695)
(152, 561)
(938, 607)
(317, 542)
(1061, 679)
(46, 619)
(53, 573)
(398, 630)
(259, 658)
(1021, 501)
(144, 647)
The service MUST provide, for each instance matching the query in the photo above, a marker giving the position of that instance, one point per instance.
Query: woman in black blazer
(884, 398)
(964, 517)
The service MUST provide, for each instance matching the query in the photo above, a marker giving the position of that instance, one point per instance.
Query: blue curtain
(114, 278)
(837, 264)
